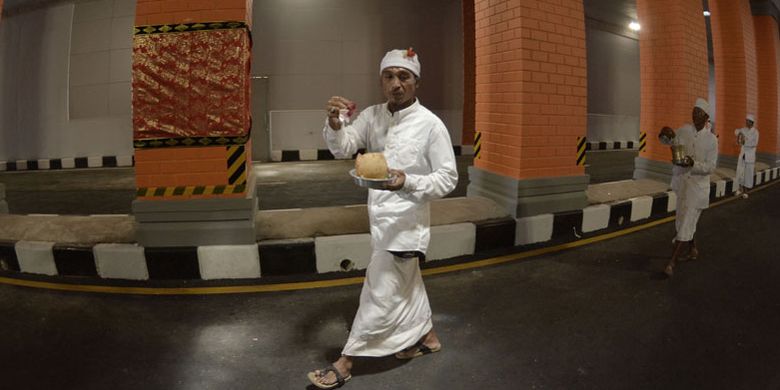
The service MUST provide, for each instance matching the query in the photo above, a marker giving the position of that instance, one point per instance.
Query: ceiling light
(634, 26)
(706, 13)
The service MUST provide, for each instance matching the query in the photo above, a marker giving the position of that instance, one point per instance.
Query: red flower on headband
(410, 52)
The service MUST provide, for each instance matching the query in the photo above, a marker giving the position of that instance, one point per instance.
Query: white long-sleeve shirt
(751, 142)
(415, 141)
(692, 184)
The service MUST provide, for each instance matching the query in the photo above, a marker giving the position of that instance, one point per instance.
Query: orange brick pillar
(673, 73)
(531, 105)
(469, 65)
(736, 81)
(768, 117)
(191, 123)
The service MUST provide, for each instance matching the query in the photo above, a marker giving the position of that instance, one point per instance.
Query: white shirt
(751, 141)
(415, 141)
(692, 184)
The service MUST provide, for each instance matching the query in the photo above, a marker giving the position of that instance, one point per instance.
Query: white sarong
(394, 312)
(745, 172)
(687, 218)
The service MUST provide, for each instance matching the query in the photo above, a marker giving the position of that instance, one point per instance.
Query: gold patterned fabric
(191, 84)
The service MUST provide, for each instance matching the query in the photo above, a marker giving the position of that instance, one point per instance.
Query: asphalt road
(595, 317)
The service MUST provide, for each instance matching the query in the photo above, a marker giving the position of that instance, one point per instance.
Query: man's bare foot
(327, 378)
(427, 344)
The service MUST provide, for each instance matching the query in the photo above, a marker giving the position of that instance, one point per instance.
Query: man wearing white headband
(691, 180)
(747, 138)
(394, 316)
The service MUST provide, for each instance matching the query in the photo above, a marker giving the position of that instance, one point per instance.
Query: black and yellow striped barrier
(642, 141)
(477, 144)
(236, 165)
(582, 146)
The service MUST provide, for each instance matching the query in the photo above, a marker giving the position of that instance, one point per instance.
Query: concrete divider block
(774, 173)
(720, 188)
(641, 208)
(21, 165)
(276, 155)
(448, 241)
(120, 261)
(332, 251)
(537, 228)
(44, 164)
(672, 206)
(308, 154)
(3, 166)
(767, 175)
(124, 161)
(229, 262)
(758, 179)
(68, 163)
(95, 162)
(595, 218)
(36, 257)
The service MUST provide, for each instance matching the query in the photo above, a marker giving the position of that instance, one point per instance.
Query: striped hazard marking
(477, 144)
(582, 143)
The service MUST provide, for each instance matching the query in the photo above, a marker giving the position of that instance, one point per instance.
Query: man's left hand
(688, 161)
(399, 178)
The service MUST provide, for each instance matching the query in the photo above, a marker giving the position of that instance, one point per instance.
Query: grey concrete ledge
(463, 230)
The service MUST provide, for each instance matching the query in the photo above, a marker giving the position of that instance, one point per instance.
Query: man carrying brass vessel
(691, 179)
(747, 138)
(394, 316)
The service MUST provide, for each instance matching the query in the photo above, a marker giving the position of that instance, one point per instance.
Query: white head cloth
(701, 103)
(751, 118)
(406, 59)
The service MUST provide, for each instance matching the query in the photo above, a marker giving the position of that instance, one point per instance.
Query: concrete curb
(67, 163)
(309, 257)
(325, 154)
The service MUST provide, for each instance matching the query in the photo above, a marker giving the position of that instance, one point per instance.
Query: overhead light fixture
(707, 13)
(634, 26)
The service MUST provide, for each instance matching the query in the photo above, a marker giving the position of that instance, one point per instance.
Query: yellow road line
(276, 287)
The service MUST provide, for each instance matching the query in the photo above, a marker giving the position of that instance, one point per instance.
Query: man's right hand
(335, 104)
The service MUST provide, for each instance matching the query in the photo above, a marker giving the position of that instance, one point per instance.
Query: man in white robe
(394, 314)
(691, 180)
(747, 137)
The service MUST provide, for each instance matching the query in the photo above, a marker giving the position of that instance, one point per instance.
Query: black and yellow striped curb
(582, 147)
(191, 190)
(642, 141)
(190, 141)
(187, 27)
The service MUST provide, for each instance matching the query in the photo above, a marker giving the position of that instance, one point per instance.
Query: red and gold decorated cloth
(193, 84)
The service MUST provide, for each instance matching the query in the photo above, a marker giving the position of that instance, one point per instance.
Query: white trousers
(394, 312)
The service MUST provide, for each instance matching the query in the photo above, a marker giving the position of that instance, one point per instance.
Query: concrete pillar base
(3, 204)
(773, 160)
(650, 169)
(196, 222)
(523, 198)
(726, 161)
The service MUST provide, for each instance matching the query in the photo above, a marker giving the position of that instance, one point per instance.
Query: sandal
(669, 271)
(421, 348)
(314, 377)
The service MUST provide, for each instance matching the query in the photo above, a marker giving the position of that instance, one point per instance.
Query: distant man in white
(691, 180)
(394, 316)
(747, 138)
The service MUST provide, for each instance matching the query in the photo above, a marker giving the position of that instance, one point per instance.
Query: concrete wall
(313, 50)
(613, 86)
(57, 102)
(65, 69)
